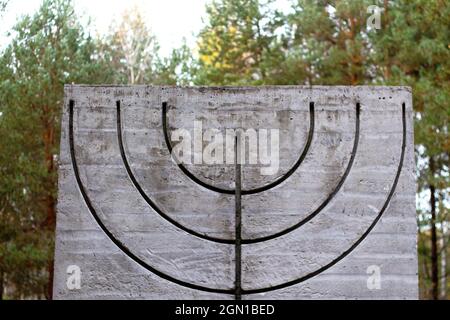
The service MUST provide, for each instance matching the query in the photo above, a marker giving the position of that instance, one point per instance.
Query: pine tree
(130, 49)
(235, 43)
(48, 50)
(329, 38)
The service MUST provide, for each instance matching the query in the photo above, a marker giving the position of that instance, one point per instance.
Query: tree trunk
(443, 269)
(50, 280)
(50, 202)
(2, 284)
(434, 249)
(443, 249)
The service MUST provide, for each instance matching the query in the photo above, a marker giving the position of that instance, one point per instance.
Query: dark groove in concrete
(250, 191)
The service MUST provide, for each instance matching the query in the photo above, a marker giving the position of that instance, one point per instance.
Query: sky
(169, 20)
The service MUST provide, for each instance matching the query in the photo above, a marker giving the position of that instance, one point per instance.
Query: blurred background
(45, 44)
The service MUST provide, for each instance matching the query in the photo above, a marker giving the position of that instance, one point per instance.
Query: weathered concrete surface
(108, 272)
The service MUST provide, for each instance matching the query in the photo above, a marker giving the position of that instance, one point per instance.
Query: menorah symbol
(238, 192)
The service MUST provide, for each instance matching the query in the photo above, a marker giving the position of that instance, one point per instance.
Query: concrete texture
(361, 205)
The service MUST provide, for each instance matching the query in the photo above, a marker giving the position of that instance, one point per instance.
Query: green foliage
(238, 38)
(131, 54)
(178, 69)
(130, 49)
(332, 41)
(3, 5)
(48, 50)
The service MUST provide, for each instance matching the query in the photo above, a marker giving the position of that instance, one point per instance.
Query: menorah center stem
(238, 219)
